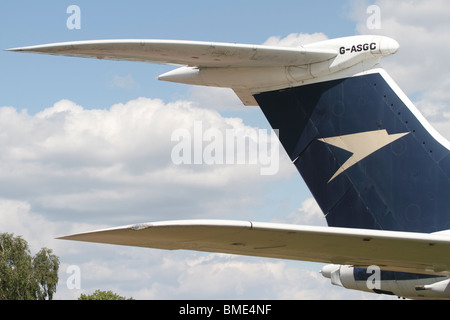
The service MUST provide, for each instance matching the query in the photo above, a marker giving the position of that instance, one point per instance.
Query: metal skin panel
(401, 284)
(186, 53)
(399, 251)
(247, 69)
(403, 186)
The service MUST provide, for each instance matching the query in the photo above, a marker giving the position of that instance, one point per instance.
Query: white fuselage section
(353, 55)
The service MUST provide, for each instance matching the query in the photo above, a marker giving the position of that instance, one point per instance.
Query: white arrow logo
(361, 144)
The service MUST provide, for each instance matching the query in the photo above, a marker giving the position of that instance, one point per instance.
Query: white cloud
(181, 275)
(19, 218)
(119, 160)
(16, 217)
(215, 98)
(295, 39)
(308, 214)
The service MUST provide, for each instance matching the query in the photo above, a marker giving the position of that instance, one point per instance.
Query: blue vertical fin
(368, 159)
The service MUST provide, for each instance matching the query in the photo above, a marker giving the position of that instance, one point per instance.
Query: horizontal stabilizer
(247, 69)
(186, 53)
(396, 251)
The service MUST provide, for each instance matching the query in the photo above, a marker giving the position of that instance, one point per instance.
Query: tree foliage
(22, 276)
(102, 295)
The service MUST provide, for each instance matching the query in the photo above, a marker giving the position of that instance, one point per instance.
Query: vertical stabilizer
(367, 155)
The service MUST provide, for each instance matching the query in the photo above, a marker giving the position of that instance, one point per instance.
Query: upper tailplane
(369, 161)
(248, 69)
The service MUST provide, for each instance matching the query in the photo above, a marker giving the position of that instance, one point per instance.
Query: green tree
(46, 266)
(102, 295)
(23, 277)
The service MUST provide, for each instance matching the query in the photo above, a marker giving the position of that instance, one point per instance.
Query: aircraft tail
(369, 158)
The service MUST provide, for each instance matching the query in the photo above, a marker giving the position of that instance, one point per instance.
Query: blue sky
(71, 162)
